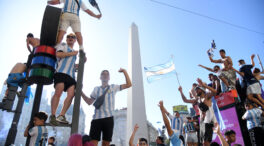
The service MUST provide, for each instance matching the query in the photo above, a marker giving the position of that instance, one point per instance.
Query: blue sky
(162, 31)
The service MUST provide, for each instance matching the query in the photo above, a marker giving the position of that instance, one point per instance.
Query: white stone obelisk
(136, 112)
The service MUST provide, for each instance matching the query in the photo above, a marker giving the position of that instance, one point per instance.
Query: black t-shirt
(248, 76)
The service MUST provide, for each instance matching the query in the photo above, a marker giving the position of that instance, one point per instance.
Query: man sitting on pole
(70, 17)
(64, 79)
(34, 42)
(15, 78)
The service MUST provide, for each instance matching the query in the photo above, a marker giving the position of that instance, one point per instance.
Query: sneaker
(53, 121)
(62, 119)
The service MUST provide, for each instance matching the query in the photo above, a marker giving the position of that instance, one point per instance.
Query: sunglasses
(71, 37)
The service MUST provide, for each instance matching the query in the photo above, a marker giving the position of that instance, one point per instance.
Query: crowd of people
(102, 97)
(190, 131)
(199, 129)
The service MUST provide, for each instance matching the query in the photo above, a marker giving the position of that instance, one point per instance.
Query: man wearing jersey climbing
(70, 17)
(64, 79)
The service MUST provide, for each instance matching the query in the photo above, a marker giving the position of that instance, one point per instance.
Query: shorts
(206, 132)
(230, 76)
(70, 20)
(64, 78)
(15, 79)
(254, 89)
(191, 137)
(105, 125)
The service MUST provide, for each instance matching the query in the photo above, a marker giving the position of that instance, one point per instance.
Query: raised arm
(200, 82)
(220, 136)
(215, 61)
(92, 14)
(88, 100)
(252, 59)
(240, 73)
(128, 81)
(133, 135)
(261, 77)
(66, 54)
(167, 113)
(207, 68)
(165, 119)
(184, 98)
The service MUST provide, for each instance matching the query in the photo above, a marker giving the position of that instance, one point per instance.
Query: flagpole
(172, 57)
(177, 78)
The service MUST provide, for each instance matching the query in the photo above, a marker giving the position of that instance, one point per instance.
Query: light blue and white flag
(218, 115)
(160, 71)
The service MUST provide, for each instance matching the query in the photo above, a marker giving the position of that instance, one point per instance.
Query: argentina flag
(218, 115)
(160, 71)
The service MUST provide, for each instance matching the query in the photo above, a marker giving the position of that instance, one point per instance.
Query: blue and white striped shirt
(176, 123)
(253, 118)
(71, 6)
(107, 108)
(39, 136)
(189, 127)
(66, 65)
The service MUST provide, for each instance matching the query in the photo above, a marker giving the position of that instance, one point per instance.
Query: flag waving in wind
(160, 71)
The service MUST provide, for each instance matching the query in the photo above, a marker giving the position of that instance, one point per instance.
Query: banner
(225, 99)
(181, 109)
(231, 122)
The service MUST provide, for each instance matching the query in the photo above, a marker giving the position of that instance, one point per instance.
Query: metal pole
(35, 108)
(78, 91)
(178, 78)
(13, 130)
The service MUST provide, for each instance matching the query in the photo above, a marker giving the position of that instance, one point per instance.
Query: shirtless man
(227, 75)
(31, 41)
(15, 77)
(208, 119)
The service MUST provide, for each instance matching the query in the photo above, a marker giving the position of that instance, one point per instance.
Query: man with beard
(207, 117)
